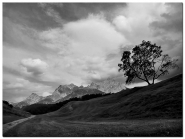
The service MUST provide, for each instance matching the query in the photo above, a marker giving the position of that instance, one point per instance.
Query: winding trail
(10, 125)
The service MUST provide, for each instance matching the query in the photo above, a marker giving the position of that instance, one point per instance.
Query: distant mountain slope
(108, 86)
(79, 92)
(33, 98)
(10, 113)
(161, 100)
(65, 92)
(37, 108)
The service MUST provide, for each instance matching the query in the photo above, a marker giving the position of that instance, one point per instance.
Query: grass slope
(11, 114)
(161, 100)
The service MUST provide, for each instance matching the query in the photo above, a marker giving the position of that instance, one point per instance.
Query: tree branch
(160, 74)
(136, 73)
(159, 66)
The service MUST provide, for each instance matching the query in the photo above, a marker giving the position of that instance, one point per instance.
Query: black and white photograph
(92, 69)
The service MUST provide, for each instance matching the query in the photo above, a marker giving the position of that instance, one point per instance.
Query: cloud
(122, 23)
(21, 38)
(44, 94)
(81, 50)
(76, 11)
(34, 66)
(93, 36)
(50, 11)
(25, 88)
(15, 85)
(92, 40)
(56, 40)
(28, 15)
(172, 19)
(26, 84)
(135, 19)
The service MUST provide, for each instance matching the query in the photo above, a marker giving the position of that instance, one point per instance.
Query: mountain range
(65, 92)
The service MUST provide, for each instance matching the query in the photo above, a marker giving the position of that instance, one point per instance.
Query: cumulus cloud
(34, 66)
(135, 19)
(92, 40)
(82, 48)
(93, 36)
(122, 23)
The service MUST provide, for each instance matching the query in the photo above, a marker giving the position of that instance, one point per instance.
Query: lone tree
(146, 62)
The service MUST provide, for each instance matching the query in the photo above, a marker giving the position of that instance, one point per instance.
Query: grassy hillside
(11, 114)
(161, 100)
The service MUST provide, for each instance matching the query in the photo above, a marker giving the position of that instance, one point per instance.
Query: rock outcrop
(108, 86)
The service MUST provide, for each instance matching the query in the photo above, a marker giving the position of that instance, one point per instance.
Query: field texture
(54, 127)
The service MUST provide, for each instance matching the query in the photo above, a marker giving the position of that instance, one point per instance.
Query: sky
(50, 44)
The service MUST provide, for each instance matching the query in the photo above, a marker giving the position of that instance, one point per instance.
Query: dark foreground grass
(11, 118)
(56, 127)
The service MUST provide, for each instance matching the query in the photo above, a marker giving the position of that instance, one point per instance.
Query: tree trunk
(153, 81)
(148, 83)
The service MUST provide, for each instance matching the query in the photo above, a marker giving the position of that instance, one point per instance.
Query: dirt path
(10, 125)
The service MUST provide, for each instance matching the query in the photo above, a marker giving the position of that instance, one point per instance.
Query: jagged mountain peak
(33, 96)
(108, 85)
(81, 86)
(93, 83)
(70, 86)
(31, 99)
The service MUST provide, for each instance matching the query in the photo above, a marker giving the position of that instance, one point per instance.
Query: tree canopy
(146, 62)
